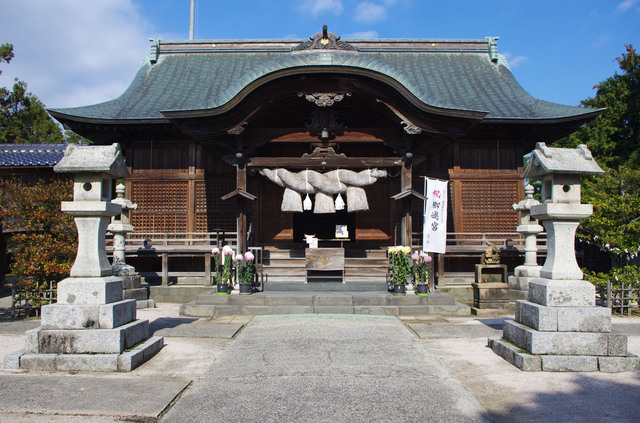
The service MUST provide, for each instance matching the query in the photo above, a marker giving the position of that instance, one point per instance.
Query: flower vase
(222, 289)
(399, 289)
(245, 289)
(422, 289)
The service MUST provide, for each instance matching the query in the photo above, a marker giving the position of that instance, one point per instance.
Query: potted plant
(223, 261)
(399, 268)
(421, 272)
(246, 270)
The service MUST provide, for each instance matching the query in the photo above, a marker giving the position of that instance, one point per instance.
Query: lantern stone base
(574, 338)
(91, 328)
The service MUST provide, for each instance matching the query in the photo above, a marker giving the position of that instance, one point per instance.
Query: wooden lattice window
(487, 206)
(162, 206)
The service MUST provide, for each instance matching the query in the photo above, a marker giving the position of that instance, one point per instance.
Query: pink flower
(415, 256)
(239, 257)
(249, 256)
(215, 250)
(424, 255)
(227, 250)
(428, 259)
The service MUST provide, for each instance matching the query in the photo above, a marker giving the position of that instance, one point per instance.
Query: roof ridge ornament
(493, 48)
(324, 40)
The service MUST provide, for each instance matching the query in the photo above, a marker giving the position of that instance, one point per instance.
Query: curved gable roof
(207, 75)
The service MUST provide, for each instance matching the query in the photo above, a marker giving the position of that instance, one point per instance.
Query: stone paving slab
(192, 328)
(86, 395)
(320, 368)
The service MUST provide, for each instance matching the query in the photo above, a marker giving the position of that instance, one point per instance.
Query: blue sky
(79, 52)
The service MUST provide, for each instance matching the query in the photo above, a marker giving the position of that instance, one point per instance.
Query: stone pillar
(559, 324)
(90, 326)
(530, 228)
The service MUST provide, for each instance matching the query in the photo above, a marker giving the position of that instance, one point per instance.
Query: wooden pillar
(165, 269)
(406, 184)
(207, 269)
(241, 218)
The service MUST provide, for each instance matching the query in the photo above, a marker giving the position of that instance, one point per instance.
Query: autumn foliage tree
(44, 241)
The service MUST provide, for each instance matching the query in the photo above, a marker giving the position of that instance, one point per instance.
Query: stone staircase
(210, 305)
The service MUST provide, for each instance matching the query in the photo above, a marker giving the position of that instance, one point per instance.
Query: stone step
(212, 311)
(325, 298)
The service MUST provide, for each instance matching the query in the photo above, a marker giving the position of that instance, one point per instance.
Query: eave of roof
(31, 155)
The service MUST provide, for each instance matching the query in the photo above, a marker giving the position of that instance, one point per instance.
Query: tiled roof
(15, 155)
(205, 75)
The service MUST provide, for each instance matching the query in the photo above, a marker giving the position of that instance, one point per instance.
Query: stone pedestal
(132, 286)
(91, 327)
(496, 273)
(490, 296)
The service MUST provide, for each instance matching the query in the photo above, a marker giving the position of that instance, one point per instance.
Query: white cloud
(368, 12)
(73, 52)
(601, 40)
(515, 61)
(316, 7)
(625, 5)
(362, 35)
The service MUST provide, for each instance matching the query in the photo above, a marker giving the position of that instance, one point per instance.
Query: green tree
(44, 241)
(614, 139)
(614, 136)
(23, 118)
(615, 223)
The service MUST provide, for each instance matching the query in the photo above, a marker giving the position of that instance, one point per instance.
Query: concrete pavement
(319, 368)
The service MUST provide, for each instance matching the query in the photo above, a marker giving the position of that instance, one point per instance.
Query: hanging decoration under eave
(324, 186)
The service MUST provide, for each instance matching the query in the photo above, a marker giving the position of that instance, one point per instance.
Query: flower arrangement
(421, 267)
(399, 264)
(245, 267)
(223, 264)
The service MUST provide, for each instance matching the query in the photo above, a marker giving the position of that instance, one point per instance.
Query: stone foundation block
(617, 345)
(562, 293)
(539, 317)
(560, 363)
(135, 294)
(31, 341)
(82, 291)
(556, 343)
(12, 360)
(584, 319)
(145, 304)
(117, 314)
(38, 362)
(87, 362)
(513, 355)
(67, 316)
(630, 363)
(129, 360)
(100, 341)
(563, 319)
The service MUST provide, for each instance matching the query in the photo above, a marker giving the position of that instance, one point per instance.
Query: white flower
(215, 250)
(249, 256)
(239, 257)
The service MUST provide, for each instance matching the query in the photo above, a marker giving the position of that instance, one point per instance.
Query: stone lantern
(530, 228)
(559, 325)
(121, 225)
(90, 327)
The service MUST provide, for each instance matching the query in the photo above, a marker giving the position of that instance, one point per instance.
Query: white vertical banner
(434, 231)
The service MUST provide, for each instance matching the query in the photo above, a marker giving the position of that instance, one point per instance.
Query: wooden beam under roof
(324, 162)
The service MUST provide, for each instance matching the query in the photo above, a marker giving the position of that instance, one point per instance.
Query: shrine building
(251, 142)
